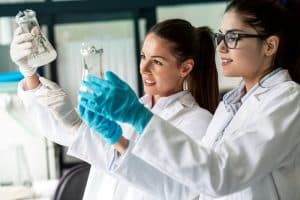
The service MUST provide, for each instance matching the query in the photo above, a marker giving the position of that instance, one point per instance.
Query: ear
(186, 67)
(272, 44)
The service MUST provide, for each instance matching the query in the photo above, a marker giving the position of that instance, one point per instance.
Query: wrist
(32, 82)
(114, 134)
(121, 145)
(27, 71)
(144, 117)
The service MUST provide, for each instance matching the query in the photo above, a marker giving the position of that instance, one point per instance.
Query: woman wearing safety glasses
(252, 146)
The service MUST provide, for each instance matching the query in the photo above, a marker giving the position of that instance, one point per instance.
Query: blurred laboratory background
(32, 167)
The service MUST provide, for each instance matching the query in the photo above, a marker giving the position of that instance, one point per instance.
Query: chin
(229, 73)
(149, 91)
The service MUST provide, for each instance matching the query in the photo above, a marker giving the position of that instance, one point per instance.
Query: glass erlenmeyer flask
(42, 51)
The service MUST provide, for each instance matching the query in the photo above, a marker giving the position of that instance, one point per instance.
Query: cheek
(247, 61)
(168, 80)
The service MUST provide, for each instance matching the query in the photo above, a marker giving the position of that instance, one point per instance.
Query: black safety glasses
(231, 38)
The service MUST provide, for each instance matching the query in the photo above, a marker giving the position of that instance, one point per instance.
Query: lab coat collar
(252, 102)
(163, 102)
(271, 80)
(187, 100)
(234, 98)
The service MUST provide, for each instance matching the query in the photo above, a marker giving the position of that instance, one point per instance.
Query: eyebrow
(161, 57)
(232, 30)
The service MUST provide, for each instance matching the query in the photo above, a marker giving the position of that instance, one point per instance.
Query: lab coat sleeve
(254, 150)
(83, 143)
(41, 117)
(146, 177)
(90, 147)
(149, 179)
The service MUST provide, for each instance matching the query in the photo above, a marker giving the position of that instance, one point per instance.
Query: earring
(185, 85)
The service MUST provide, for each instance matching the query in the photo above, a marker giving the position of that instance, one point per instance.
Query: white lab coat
(89, 146)
(258, 157)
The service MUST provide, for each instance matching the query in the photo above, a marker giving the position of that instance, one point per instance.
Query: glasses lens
(218, 38)
(231, 39)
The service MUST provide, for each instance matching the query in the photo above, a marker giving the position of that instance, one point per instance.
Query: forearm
(31, 82)
(142, 175)
(42, 116)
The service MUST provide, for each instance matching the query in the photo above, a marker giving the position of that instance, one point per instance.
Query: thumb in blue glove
(109, 130)
(114, 99)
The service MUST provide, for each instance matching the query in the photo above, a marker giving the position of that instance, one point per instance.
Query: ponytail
(203, 79)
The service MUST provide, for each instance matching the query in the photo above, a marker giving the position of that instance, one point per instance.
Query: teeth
(225, 61)
(150, 82)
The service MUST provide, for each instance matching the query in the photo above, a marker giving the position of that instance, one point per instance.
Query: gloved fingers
(18, 31)
(55, 102)
(24, 37)
(85, 103)
(17, 57)
(21, 51)
(49, 96)
(49, 84)
(22, 46)
(82, 98)
(112, 77)
(115, 135)
(95, 88)
(82, 105)
(25, 69)
(92, 106)
(86, 95)
(91, 118)
(49, 99)
(80, 110)
(35, 31)
(98, 81)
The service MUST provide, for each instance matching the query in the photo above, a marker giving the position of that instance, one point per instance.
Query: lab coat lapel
(216, 126)
(253, 102)
(242, 115)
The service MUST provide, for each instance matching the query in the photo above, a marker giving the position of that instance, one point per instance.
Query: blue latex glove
(114, 99)
(109, 130)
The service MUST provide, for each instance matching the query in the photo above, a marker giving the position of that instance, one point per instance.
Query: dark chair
(72, 184)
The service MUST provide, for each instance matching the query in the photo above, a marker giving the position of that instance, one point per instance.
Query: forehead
(154, 43)
(232, 20)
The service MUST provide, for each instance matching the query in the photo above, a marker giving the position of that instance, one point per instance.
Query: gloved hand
(115, 100)
(59, 104)
(109, 130)
(20, 48)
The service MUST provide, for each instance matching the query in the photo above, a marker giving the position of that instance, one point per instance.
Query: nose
(221, 47)
(144, 67)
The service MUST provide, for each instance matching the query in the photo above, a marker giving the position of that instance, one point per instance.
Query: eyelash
(157, 62)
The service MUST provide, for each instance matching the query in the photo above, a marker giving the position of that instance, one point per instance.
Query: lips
(225, 61)
(148, 82)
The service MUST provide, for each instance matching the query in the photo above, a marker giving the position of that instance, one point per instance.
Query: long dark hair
(274, 17)
(198, 44)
